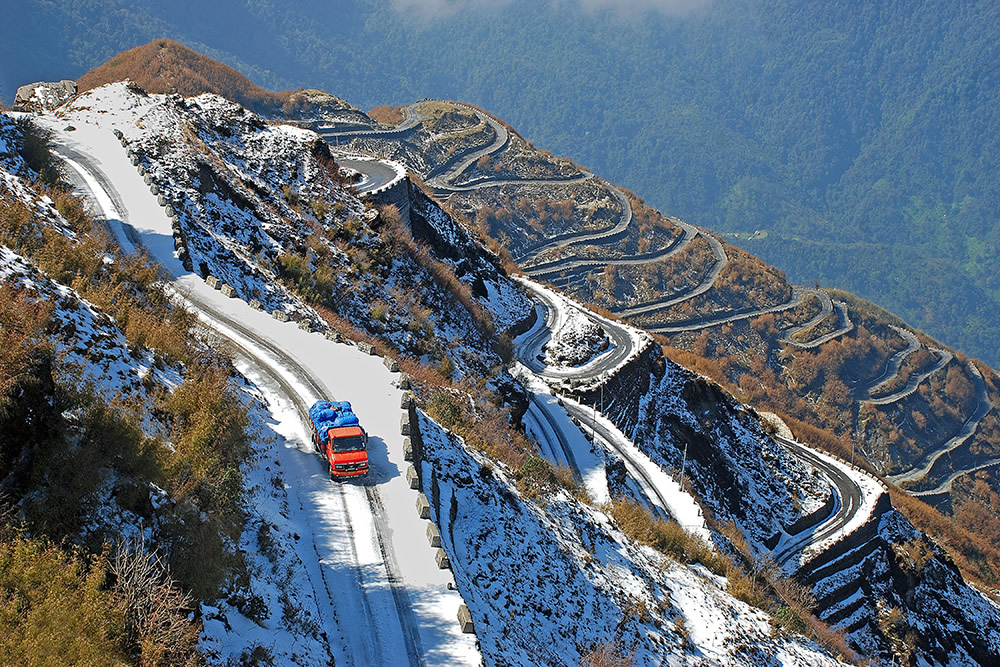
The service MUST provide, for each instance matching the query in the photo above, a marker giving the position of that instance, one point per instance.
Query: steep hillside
(248, 202)
(827, 358)
(122, 440)
(256, 224)
(856, 379)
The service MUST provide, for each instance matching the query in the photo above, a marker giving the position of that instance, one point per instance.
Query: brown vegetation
(607, 654)
(165, 66)
(84, 442)
(387, 115)
(56, 607)
(975, 553)
(667, 537)
(61, 606)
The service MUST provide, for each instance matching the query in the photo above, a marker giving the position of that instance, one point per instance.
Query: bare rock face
(44, 96)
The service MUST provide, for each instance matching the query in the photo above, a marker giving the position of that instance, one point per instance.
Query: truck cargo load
(338, 435)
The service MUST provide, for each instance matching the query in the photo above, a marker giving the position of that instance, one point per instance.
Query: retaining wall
(395, 194)
(865, 532)
(618, 394)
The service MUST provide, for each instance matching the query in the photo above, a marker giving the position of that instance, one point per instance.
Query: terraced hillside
(894, 399)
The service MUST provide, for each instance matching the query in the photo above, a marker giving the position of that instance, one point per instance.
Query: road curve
(721, 259)
(410, 120)
(534, 340)
(377, 173)
(944, 488)
(892, 364)
(798, 296)
(826, 307)
(446, 179)
(849, 502)
(573, 264)
(849, 496)
(925, 464)
(579, 237)
(847, 325)
(82, 164)
(944, 358)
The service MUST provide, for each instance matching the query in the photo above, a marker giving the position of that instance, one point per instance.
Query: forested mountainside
(858, 137)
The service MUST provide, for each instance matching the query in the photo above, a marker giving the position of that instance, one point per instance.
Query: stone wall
(396, 193)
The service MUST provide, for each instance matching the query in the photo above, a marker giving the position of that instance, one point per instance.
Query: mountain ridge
(165, 66)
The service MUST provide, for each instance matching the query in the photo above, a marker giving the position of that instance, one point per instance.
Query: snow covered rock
(576, 342)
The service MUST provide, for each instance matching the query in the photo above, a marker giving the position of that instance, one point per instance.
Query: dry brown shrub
(157, 627)
(607, 654)
(387, 114)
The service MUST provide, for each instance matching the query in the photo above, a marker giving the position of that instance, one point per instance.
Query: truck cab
(339, 436)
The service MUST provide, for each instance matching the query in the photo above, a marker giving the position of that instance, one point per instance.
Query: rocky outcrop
(44, 96)
(899, 597)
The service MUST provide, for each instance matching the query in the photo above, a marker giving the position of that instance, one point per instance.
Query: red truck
(338, 435)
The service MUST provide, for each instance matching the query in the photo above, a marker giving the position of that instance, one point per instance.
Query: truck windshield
(349, 443)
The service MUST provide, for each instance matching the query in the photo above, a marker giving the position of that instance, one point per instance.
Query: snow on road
(577, 451)
(871, 491)
(559, 311)
(335, 517)
(667, 495)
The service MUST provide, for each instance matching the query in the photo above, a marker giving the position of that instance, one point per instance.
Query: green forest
(860, 136)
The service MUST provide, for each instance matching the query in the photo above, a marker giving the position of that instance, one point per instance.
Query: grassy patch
(56, 607)
(668, 537)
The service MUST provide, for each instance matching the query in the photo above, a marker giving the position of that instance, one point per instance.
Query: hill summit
(165, 66)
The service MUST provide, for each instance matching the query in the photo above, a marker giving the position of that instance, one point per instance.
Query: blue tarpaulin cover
(326, 415)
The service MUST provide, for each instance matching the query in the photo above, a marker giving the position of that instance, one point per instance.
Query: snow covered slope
(354, 530)
(343, 571)
(258, 204)
(549, 584)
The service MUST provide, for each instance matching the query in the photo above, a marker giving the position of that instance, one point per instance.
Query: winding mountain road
(983, 405)
(944, 488)
(569, 265)
(849, 495)
(566, 270)
(336, 135)
(580, 237)
(444, 177)
(944, 358)
(530, 349)
(377, 173)
(798, 296)
(849, 503)
(721, 259)
(892, 364)
(845, 325)
(351, 533)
